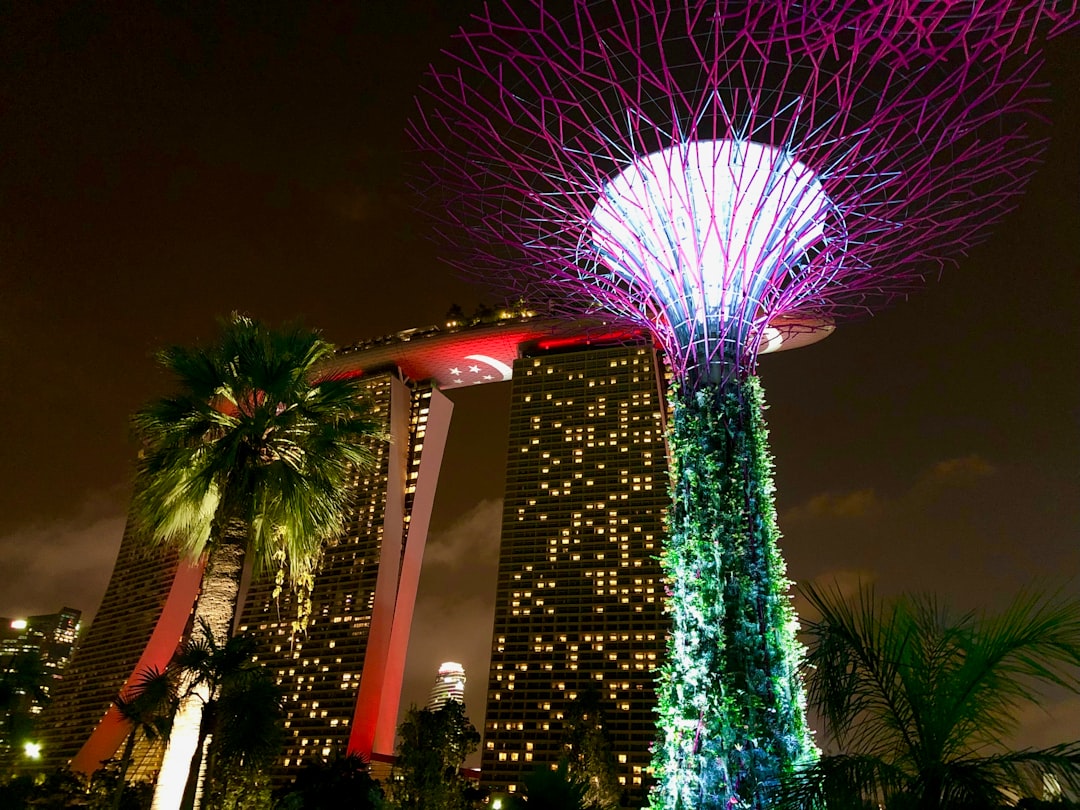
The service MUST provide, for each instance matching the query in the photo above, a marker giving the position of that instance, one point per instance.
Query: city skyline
(921, 442)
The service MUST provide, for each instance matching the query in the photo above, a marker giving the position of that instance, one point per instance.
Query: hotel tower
(578, 601)
(580, 593)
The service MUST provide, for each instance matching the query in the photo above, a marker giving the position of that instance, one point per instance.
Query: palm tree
(252, 457)
(920, 701)
(147, 707)
(222, 671)
(242, 715)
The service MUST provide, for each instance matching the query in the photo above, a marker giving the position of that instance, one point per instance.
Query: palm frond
(1032, 770)
(855, 662)
(149, 702)
(931, 694)
(255, 435)
(841, 783)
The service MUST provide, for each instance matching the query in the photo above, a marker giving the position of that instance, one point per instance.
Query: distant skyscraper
(51, 637)
(28, 646)
(449, 685)
(579, 594)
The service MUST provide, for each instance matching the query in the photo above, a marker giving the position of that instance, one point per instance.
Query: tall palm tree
(920, 701)
(253, 456)
(147, 707)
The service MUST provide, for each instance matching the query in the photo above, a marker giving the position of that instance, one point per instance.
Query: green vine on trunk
(730, 699)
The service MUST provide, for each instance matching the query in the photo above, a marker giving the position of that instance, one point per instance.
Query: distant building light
(449, 685)
(18, 624)
(32, 749)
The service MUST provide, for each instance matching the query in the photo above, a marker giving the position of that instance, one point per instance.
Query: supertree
(734, 177)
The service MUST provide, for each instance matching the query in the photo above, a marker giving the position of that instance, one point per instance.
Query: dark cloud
(866, 503)
(857, 504)
(966, 470)
(63, 562)
(941, 531)
(456, 607)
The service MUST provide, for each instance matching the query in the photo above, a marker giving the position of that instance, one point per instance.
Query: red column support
(438, 427)
(369, 695)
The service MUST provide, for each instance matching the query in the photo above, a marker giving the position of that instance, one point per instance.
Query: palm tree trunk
(191, 788)
(214, 611)
(125, 763)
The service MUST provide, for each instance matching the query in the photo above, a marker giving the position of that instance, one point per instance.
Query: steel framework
(736, 177)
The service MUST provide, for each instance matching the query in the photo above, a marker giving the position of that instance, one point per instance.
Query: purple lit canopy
(732, 177)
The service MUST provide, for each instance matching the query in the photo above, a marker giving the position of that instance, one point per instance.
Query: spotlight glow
(739, 215)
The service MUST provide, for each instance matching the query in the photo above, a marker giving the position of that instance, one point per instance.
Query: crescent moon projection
(498, 365)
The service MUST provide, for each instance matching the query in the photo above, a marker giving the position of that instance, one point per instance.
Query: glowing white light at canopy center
(707, 227)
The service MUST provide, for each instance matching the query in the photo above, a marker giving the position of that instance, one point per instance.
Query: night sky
(161, 167)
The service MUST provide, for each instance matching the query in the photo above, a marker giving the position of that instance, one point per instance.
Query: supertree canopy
(735, 177)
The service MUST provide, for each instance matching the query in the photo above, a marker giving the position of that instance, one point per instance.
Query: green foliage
(56, 790)
(431, 748)
(16, 792)
(247, 738)
(558, 789)
(919, 701)
(731, 710)
(243, 719)
(103, 791)
(65, 789)
(252, 434)
(337, 783)
(587, 751)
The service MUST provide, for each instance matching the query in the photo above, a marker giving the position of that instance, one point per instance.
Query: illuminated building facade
(580, 591)
(449, 685)
(43, 643)
(342, 679)
(138, 625)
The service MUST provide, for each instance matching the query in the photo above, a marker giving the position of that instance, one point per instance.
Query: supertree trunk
(731, 713)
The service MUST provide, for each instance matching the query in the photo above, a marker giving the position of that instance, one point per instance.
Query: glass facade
(579, 603)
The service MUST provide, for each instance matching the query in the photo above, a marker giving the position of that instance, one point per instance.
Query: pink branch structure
(730, 176)
(735, 178)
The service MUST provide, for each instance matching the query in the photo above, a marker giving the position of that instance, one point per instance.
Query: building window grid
(321, 674)
(551, 540)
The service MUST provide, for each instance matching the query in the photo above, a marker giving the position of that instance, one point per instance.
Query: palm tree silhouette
(920, 701)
